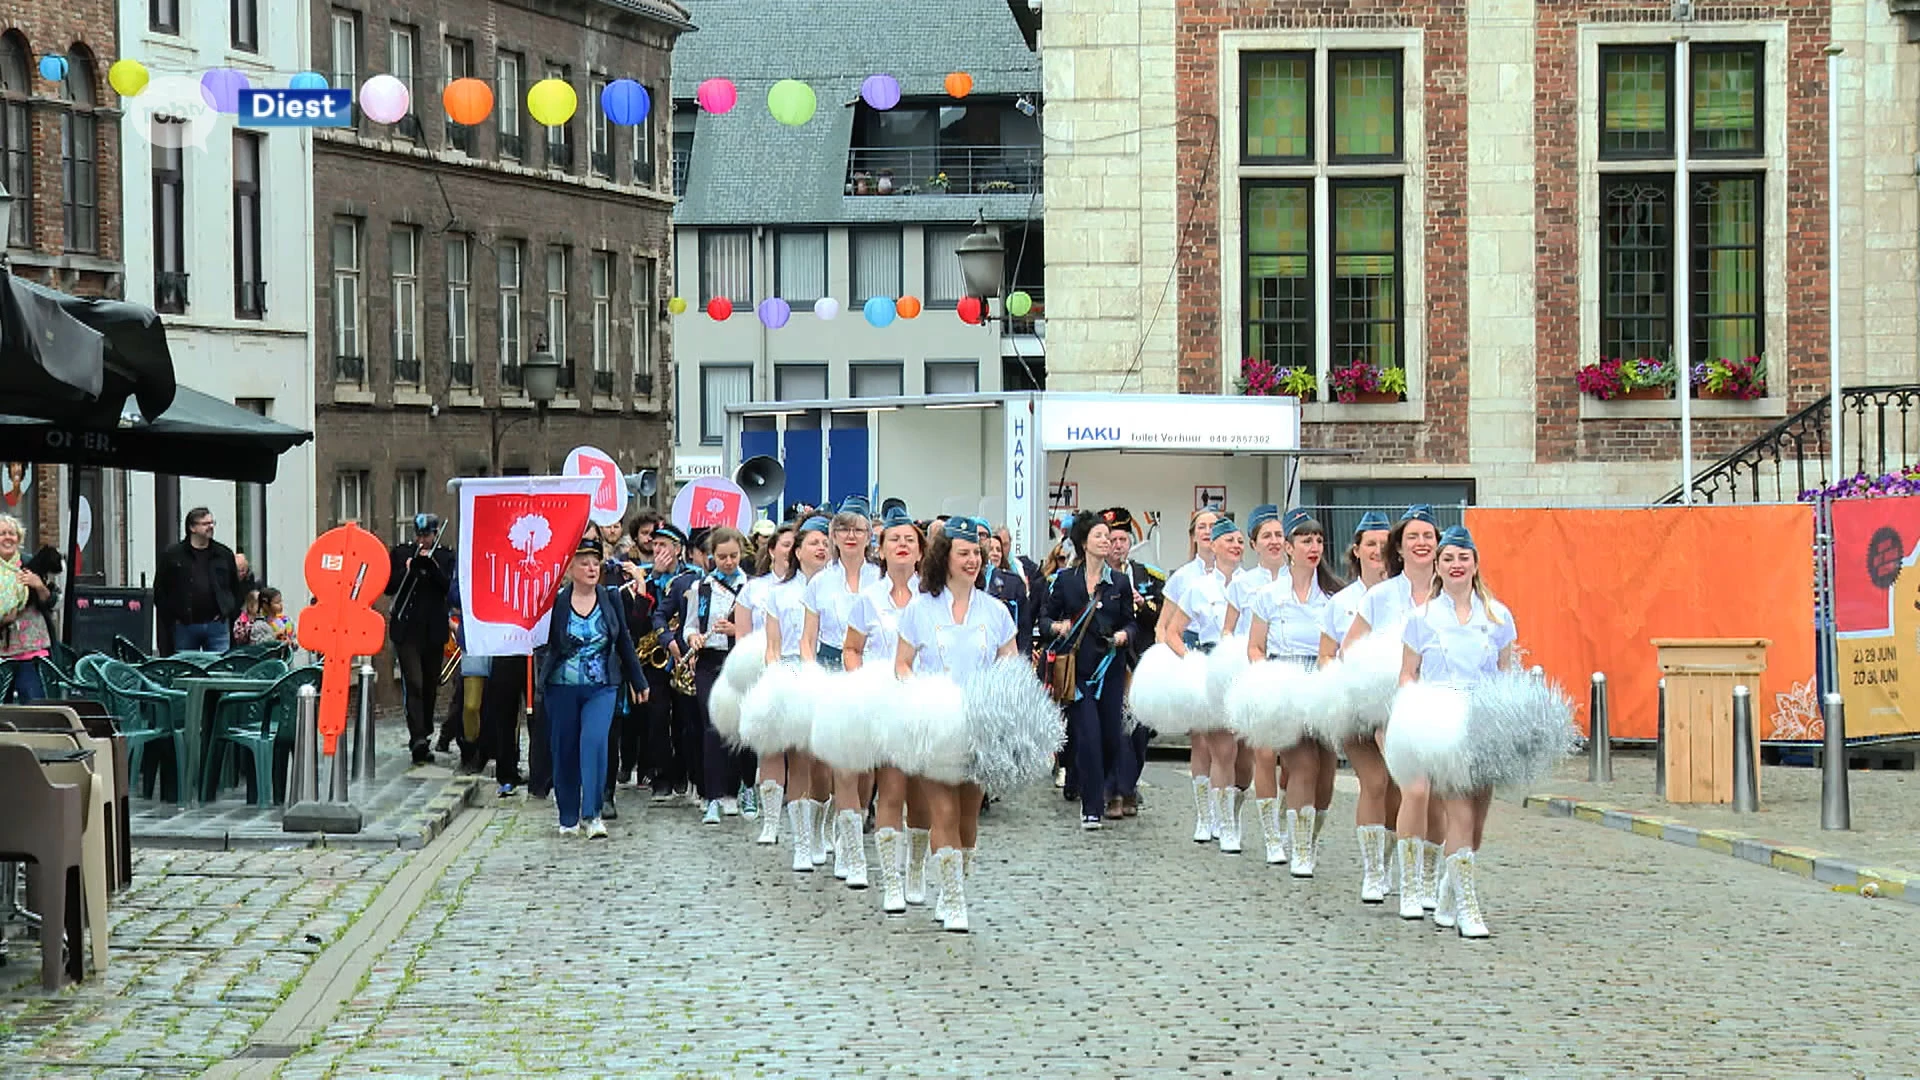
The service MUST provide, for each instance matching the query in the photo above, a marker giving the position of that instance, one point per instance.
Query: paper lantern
(308, 80)
(53, 67)
(774, 312)
(221, 89)
(908, 307)
(625, 102)
(1019, 304)
(385, 99)
(127, 77)
(552, 102)
(959, 84)
(880, 91)
(716, 95)
(969, 310)
(468, 101)
(719, 309)
(826, 309)
(791, 102)
(677, 306)
(879, 311)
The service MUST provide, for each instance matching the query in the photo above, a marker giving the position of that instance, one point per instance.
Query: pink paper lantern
(384, 99)
(716, 95)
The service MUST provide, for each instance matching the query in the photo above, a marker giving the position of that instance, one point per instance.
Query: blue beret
(1371, 520)
(971, 529)
(895, 515)
(1419, 512)
(1262, 514)
(1224, 526)
(1458, 536)
(1294, 519)
(856, 504)
(816, 523)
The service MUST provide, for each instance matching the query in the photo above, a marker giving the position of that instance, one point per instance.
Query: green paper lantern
(791, 102)
(1019, 304)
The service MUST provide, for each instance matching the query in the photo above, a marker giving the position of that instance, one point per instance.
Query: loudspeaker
(763, 478)
(644, 484)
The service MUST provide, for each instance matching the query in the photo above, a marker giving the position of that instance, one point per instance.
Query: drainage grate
(266, 1050)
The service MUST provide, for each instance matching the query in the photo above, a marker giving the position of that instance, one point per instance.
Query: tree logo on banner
(521, 546)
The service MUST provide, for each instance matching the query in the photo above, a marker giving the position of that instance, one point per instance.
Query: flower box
(1645, 393)
(1620, 379)
(1372, 397)
(1364, 383)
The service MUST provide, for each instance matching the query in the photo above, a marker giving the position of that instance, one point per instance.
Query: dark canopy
(198, 435)
(77, 359)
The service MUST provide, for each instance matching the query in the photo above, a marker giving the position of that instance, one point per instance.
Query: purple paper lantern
(774, 312)
(880, 91)
(221, 88)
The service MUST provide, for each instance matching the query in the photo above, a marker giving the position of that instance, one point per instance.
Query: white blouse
(785, 602)
(957, 648)
(1337, 617)
(754, 596)
(1203, 596)
(1456, 653)
(827, 596)
(1388, 604)
(1245, 586)
(878, 620)
(1293, 628)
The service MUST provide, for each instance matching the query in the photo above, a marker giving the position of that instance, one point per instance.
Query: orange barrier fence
(1590, 589)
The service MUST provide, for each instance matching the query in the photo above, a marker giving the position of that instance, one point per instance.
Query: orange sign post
(346, 569)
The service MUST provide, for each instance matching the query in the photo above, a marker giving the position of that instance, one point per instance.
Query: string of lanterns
(879, 311)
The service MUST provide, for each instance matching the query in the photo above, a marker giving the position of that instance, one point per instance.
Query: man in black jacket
(196, 589)
(419, 580)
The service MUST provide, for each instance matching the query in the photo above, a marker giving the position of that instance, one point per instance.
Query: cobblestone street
(674, 950)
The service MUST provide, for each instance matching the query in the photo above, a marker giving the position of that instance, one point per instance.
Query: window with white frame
(1642, 110)
(885, 379)
(507, 68)
(721, 385)
(799, 382)
(945, 284)
(644, 137)
(350, 496)
(600, 153)
(874, 258)
(953, 376)
(641, 286)
(459, 249)
(1323, 294)
(402, 61)
(456, 55)
(79, 155)
(409, 498)
(249, 287)
(602, 291)
(511, 268)
(348, 298)
(346, 49)
(557, 308)
(560, 136)
(726, 265)
(403, 268)
(800, 265)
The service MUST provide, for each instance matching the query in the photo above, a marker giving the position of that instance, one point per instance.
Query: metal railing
(460, 137)
(602, 163)
(944, 170)
(643, 383)
(250, 299)
(603, 383)
(513, 146)
(511, 374)
(350, 369)
(1879, 432)
(462, 374)
(170, 292)
(565, 380)
(407, 372)
(560, 154)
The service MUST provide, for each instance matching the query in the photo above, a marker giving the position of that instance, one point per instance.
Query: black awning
(78, 359)
(198, 435)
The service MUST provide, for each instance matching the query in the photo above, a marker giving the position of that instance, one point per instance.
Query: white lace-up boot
(819, 847)
(1300, 841)
(1268, 812)
(1408, 849)
(886, 848)
(937, 881)
(966, 861)
(915, 869)
(1373, 863)
(953, 889)
(1443, 912)
(771, 794)
(1202, 810)
(1430, 857)
(800, 827)
(1230, 821)
(1466, 893)
(853, 850)
(837, 843)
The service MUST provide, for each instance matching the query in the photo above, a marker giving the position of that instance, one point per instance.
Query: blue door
(847, 457)
(801, 456)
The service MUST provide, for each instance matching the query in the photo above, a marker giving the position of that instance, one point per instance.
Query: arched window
(16, 135)
(79, 153)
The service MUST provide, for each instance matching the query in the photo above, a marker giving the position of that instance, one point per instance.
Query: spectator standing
(196, 589)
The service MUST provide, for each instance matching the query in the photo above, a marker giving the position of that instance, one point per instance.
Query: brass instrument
(452, 665)
(682, 679)
(652, 653)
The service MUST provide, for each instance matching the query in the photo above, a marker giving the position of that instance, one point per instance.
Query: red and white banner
(517, 535)
(610, 498)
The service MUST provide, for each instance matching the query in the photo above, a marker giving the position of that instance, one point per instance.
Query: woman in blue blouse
(589, 652)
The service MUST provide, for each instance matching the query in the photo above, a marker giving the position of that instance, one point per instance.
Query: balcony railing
(462, 374)
(944, 170)
(460, 137)
(170, 292)
(643, 383)
(565, 380)
(511, 374)
(602, 163)
(249, 299)
(350, 369)
(559, 155)
(603, 383)
(407, 371)
(513, 146)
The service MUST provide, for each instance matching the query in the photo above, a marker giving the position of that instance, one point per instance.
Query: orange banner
(1590, 589)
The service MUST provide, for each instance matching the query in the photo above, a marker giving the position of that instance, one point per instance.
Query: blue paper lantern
(879, 310)
(774, 312)
(308, 80)
(53, 67)
(626, 102)
(880, 91)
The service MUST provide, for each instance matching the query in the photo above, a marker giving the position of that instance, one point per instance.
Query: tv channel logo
(296, 108)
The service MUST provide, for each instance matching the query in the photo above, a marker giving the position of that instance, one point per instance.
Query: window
(726, 266)
(245, 25)
(1639, 243)
(459, 251)
(557, 313)
(800, 266)
(641, 288)
(402, 60)
(560, 136)
(600, 132)
(507, 104)
(457, 55)
(349, 496)
(644, 138)
(875, 258)
(249, 290)
(721, 385)
(163, 16)
(953, 377)
(79, 157)
(511, 266)
(799, 382)
(683, 121)
(346, 50)
(349, 360)
(945, 284)
(169, 226)
(409, 498)
(403, 267)
(877, 380)
(1323, 294)
(1339, 504)
(16, 136)
(601, 287)
(250, 507)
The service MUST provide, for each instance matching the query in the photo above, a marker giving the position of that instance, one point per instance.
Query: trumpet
(452, 665)
(682, 679)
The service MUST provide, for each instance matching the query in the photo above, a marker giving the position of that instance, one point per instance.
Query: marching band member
(1001, 581)
(588, 651)
(1146, 583)
(774, 566)
(712, 608)
(1173, 631)
(1090, 612)
(953, 629)
(1411, 581)
(666, 747)
(1367, 566)
(1195, 617)
(1269, 537)
(807, 785)
(873, 638)
(829, 598)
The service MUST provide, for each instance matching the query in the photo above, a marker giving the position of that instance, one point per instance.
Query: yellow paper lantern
(127, 77)
(677, 306)
(552, 102)
(791, 102)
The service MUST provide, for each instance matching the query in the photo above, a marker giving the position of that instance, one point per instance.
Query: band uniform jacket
(1010, 588)
(1112, 602)
(699, 609)
(637, 604)
(672, 589)
(1150, 582)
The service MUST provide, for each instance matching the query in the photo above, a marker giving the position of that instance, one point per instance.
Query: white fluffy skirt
(745, 661)
(777, 714)
(1013, 724)
(1168, 692)
(1368, 676)
(1506, 731)
(860, 706)
(723, 711)
(1224, 664)
(928, 735)
(1274, 704)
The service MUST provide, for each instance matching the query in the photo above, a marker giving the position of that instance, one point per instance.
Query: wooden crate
(1701, 674)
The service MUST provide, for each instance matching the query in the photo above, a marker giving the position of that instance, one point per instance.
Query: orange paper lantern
(468, 101)
(908, 307)
(959, 84)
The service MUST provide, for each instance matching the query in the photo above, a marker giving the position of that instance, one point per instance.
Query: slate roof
(746, 168)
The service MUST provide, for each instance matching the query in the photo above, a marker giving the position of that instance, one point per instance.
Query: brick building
(447, 254)
(1480, 194)
(60, 161)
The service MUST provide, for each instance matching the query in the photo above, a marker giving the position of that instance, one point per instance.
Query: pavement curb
(427, 824)
(1843, 874)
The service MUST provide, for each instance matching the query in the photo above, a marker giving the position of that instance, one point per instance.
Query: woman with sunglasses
(1195, 618)
(829, 598)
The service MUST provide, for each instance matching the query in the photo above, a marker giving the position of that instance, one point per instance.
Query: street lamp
(983, 260)
(540, 380)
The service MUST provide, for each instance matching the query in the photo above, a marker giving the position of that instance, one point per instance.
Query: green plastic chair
(165, 669)
(269, 668)
(63, 653)
(87, 673)
(58, 681)
(125, 649)
(257, 722)
(148, 713)
(8, 670)
(233, 663)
